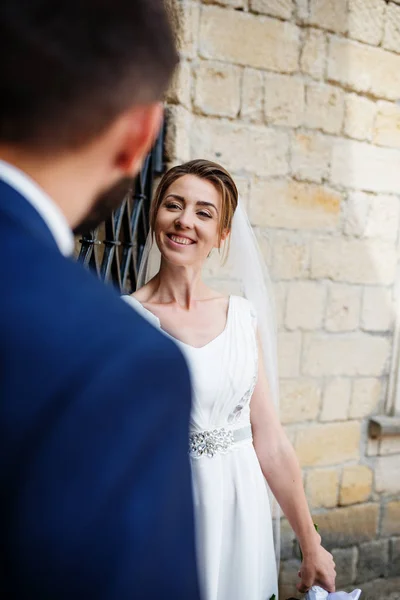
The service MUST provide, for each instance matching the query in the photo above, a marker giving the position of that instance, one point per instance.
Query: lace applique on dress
(237, 411)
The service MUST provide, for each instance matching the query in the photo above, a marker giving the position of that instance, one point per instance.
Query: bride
(236, 441)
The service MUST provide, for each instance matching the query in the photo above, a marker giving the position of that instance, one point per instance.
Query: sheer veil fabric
(246, 262)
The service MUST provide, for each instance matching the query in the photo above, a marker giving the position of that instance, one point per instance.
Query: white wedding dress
(233, 520)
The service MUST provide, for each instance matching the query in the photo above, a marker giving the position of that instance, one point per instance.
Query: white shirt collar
(44, 205)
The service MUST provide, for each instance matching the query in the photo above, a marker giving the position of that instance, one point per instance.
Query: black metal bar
(114, 249)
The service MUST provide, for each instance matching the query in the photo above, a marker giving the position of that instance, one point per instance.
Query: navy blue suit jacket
(94, 411)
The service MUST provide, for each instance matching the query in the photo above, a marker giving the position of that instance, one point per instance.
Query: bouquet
(317, 593)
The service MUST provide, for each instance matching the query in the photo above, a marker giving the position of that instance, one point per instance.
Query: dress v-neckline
(184, 343)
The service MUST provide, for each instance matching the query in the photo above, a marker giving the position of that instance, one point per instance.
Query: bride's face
(187, 222)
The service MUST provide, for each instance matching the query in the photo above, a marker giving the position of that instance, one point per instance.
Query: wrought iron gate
(115, 248)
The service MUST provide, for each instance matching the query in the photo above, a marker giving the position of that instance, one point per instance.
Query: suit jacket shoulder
(94, 416)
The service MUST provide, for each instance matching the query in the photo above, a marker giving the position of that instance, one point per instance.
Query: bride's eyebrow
(203, 203)
(176, 196)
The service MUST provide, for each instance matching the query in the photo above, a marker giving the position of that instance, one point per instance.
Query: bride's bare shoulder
(144, 293)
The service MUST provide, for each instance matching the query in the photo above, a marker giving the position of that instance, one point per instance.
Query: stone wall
(299, 99)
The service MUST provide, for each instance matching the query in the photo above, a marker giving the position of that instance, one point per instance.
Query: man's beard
(105, 203)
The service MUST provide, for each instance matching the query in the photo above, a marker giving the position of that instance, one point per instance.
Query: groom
(94, 403)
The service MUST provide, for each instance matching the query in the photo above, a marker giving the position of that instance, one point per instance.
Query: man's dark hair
(68, 68)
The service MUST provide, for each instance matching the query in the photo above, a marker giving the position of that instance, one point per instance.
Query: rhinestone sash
(209, 443)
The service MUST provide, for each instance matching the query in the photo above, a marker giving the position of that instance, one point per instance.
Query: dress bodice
(224, 371)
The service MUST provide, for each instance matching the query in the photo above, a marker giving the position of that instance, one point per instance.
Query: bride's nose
(185, 220)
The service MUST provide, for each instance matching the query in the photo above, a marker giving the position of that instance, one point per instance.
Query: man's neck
(66, 179)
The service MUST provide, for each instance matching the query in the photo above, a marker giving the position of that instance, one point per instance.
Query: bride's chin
(170, 258)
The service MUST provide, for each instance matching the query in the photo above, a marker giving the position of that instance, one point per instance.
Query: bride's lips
(179, 240)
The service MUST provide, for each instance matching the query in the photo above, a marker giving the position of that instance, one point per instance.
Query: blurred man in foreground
(94, 469)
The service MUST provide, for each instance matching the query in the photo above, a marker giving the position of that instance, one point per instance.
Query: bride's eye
(204, 214)
(172, 205)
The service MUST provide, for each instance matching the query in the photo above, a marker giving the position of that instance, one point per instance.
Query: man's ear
(137, 132)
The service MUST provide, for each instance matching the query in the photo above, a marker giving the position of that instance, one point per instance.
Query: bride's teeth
(179, 240)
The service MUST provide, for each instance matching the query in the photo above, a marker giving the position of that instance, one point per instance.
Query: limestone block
(394, 562)
(343, 308)
(248, 40)
(391, 518)
(372, 216)
(346, 355)
(364, 68)
(387, 474)
(390, 445)
(188, 14)
(305, 305)
(322, 487)
(348, 525)
(359, 117)
(391, 38)
(275, 8)
(288, 578)
(357, 212)
(299, 400)
(180, 89)
(217, 89)
(252, 95)
(353, 261)
(289, 349)
(328, 443)
(365, 398)
(241, 147)
(366, 20)
(329, 14)
(336, 400)
(346, 563)
(372, 560)
(177, 143)
(378, 310)
(243, 186)
(313, 54)
(382, 589)
(383, 217)
(356, 484)
(324, 107)
(386, 131)
(372, 447)
(284, 100)
(291, 257)
(302, 11)
(287, 540)
(231, 3)
(294, 205)
(310, 156)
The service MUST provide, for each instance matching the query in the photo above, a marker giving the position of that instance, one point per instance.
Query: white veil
(246, 262)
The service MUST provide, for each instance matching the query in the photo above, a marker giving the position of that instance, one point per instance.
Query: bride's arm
(282, 471)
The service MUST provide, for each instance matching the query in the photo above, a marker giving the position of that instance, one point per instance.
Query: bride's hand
(317, 568)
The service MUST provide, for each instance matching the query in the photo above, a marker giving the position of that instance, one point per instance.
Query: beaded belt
(208, 443)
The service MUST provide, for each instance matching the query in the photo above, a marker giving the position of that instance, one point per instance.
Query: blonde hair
(210, 171)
